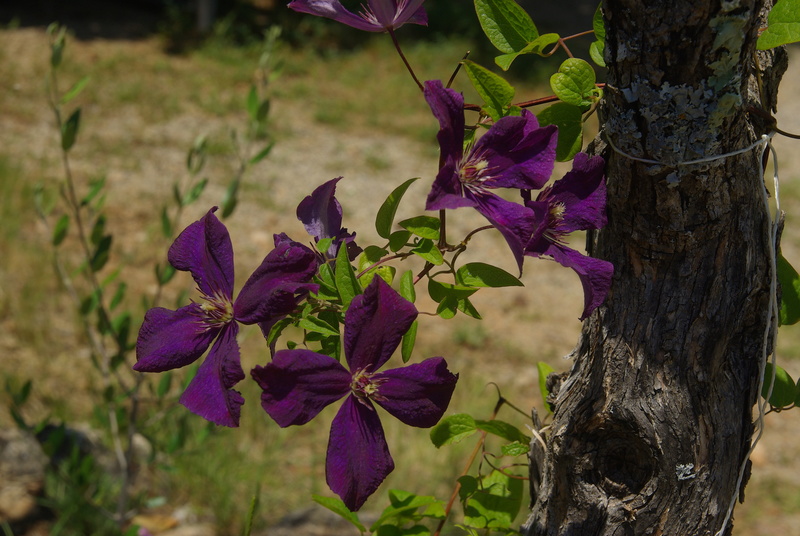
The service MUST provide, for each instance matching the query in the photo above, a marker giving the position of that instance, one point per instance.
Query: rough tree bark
(654, 420)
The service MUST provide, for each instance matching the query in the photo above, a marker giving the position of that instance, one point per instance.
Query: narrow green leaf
(194, 192)
(262, 154)
(118, 295)
(544, 370)
(95, 187)
(316, 325)
(101, 254)
(98, 230)
(507, 431)
(336, 506)
(407, 346)
(166, 223)
(479, 274)
(69, 130)
(196, 157)
(784, 390)
(231, 198)
(346, 281)
(388, 210)
(790, 292)
(496, 93)
(263, 111)
(407, 289)
(428, 251)
(783, 25)
(164, 384)
(75, 90)
(60, 230)
(165, 275)
(506, 24)
(453, 429)
(422, 226)
(569, 120)
(574, 83)
(398, 240)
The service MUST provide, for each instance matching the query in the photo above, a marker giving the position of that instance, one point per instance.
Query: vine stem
(403, 57)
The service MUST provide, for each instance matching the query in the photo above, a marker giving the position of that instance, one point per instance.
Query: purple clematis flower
(376, 16)
(514, 153)
(171, 339)
(298, 384)
(321, 214)
(575, 202)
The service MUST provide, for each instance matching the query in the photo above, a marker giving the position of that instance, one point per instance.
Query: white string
(771, 324)
(764, 140)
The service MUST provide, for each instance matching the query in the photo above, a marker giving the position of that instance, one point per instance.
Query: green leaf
(252, 103)
(327, 283)
(496, 93)
(506, 24)
(507, 431)
(194, 193)
(479, 274)
(98, 229)
(790, 292)
(101, 254)
(262, 154)
(407, 346)
(544, 370)
(453, 429)
(75, 90)
(784, 391)
(469, 485)
(316, 325)
(537, 46)
(407, 289)
(597, 48)
(403, 504)
(466, 307)
(398, 240)
(496, 504)
(196, 157)
(439, 291)
(165, 275)
(515, 449)
(569, 120)
(231, 198)
(118, 295)
(336, 506)
(428, 251)
(388, 210)
(346, 281)
(783, 25)
(95, 187)
(69, 130)
(597, 53)
(574, 83)
(61, 229)
(263, 111)
(164, 384)
(422, 226)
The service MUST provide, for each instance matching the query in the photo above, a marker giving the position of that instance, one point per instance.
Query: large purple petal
(418, 394)
(298, 384)
(582, 192)
(358, 457)
(172, 339)
(514, 221)
(321, 212)
(333, 9)
(447, 106)
(517, 152)
(204, 249)
(410, 11)
(595, 274)
(447, 191)
(374, 324)
(274, 288)
(210, 392)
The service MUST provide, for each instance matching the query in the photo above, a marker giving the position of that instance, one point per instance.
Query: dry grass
(142, 110)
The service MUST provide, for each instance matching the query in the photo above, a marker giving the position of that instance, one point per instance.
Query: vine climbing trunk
(654, 422)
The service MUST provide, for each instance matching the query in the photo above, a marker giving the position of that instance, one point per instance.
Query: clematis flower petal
(595, 275)
(447, 106)
(582, 192)
(358, 457)
(204, 249)
(274, 289)
(209, 394)
(382, 15)
(298, 384)
(375, 323)
(418, 394)
(514, 221)
(321, 214)
(172, 339)
(518, 152)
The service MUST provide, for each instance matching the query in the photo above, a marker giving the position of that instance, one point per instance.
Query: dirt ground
(522, 327)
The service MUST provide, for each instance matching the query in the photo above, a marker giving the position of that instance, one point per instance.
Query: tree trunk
(654, 421)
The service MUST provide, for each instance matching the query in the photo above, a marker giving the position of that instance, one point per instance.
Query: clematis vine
(172, 339)
(298, 384)
(514, 153)
(575, 202)
(321, 214)
(376, 16)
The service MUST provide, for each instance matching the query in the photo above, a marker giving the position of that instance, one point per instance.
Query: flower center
(557, 211)
(471, 171)
(556, 216)
(365, 387)
(217, 310)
